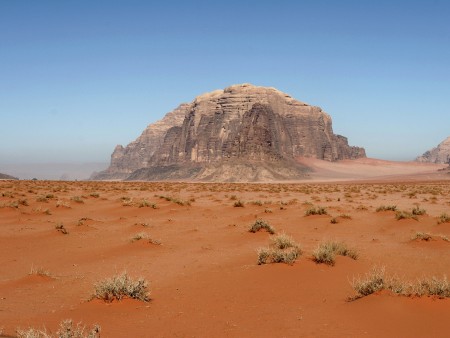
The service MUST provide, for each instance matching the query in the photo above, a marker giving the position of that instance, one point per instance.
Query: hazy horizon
(79, 78)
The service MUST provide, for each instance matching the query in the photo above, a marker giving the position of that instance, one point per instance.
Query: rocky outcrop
(243, 132)
(137, 154)
(440, 154)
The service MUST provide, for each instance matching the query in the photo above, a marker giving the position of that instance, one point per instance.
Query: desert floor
(201, 264)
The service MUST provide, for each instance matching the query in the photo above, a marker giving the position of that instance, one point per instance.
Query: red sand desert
(201, 264)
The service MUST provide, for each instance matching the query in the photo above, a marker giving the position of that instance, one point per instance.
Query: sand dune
(202, 264)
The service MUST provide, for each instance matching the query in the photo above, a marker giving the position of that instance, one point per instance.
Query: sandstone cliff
(440, 154)
(243, 132)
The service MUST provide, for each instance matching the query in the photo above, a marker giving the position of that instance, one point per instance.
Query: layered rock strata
(243, 132)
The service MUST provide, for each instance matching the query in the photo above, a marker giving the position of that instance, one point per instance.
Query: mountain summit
(241, 133)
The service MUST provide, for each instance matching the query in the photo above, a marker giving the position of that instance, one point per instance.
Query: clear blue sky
(79, 77)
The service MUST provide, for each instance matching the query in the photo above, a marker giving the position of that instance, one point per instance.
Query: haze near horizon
(79, 78)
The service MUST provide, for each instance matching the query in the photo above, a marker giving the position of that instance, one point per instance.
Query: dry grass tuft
(376, 280)
(326, 252)
(260, 224)
(283, 249)
(316, 211)
(67, 329)
(386, 208)
(444, 218)
(371, 282)
(238, 204)
(421, 236)
(122, 286)
(405, 215)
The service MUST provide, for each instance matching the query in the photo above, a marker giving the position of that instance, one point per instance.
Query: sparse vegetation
(238, 204)
(145, 203)
(326, 252)
(283, 249)
(444, 218)
(38, 271)
(122, 286)
(174, 200)
(67, 329)
(60, 227)
(418, 211)
(316, 211)
(376, 280)
(283, 241)
(386, 208)
(405, 215)
(421, 236)
(371, 282)
(260, 224)
(77, 199)
(143, 236)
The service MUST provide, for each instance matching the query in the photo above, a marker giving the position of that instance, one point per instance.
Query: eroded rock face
(243, 130)
(440, 154)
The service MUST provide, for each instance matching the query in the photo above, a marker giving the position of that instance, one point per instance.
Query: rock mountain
(440, 154)
(241, 133)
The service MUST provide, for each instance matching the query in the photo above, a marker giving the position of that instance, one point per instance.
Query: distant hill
(53, 171)
(240, 133)
(7, 177)
(439, 154)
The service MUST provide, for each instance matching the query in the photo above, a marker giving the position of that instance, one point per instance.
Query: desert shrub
(23, 202)
(376, 280)
(127, 202)
(144, 203)
(422, 236)
(94, 194)
(77, 199)
(38, 271)
(283, 249)
(238, 204)
(174, 200)
(264, 255)
(144, 236)
(283, 241)
(386, 208)
(431, 287)
(121, 286)
(371, 282)
(268, 210)
(42, 198)
(345, 216)
(316, 211)
(326, 252)
(67, 329)
(404, 215)
(259, 203)
(61, 203)
(334, 220)
(260, 224)
(418, 211)
(444, 218)
(273, 255)
(60, 227)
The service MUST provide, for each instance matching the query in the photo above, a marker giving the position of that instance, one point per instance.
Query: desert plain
(191, 242)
